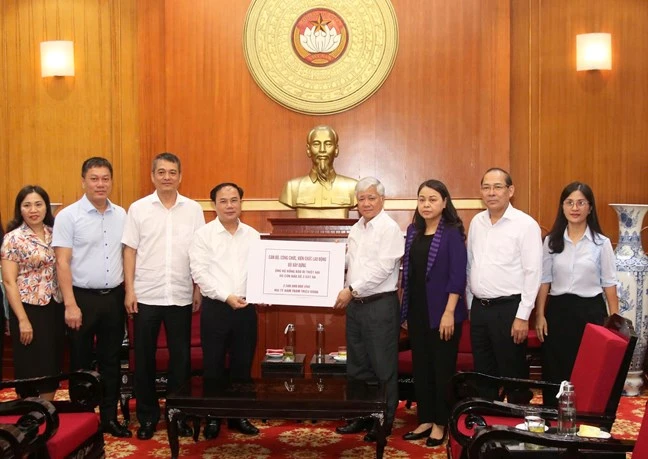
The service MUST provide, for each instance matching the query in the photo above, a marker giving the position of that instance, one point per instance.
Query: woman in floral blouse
(36, 317)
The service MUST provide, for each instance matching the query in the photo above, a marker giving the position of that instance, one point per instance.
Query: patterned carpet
(308, 440)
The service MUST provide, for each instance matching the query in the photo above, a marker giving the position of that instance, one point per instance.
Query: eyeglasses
(497, 187)
(580, 203)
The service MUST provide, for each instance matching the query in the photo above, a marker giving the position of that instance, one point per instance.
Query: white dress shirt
(162, 237)
(373, 255)
(219, 259)
(505, 258)
(581, 269)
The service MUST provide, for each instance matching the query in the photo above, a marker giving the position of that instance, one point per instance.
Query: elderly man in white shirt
(504, 270)
(159, 288)
(375, 248)
(219, 255)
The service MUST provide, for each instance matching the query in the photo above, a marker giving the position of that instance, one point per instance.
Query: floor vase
(632, 272)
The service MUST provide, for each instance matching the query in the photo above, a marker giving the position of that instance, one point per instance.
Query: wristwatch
(353, 292)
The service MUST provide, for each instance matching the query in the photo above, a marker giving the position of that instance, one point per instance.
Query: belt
(370, 298)
(99, 291)
(499, 300)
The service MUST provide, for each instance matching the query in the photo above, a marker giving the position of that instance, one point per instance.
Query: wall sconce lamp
(57, 58)
(594, 51)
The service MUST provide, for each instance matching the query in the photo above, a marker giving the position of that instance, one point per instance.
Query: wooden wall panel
(443, 112)
(568, 125)
(48, 126)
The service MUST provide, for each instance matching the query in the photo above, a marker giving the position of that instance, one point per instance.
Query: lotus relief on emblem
(320, 37)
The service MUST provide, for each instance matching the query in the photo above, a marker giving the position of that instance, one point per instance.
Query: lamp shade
(57, 58)
(594, 51)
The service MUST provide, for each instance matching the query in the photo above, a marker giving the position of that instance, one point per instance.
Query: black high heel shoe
(431, 442)
(417, 436)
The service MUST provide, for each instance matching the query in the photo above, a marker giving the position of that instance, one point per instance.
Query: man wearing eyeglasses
(504, 270)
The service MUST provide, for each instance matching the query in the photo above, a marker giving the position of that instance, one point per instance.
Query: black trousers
(434, 363)
(372, 345)
(494, 351)
(566, 317)
(147, 322)
(225, 330)
(44, 355)
(103, 319)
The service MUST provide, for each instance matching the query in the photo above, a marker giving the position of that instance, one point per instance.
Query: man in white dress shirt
(159, 289)
(228, 323)
(375, 248)
(504, 270)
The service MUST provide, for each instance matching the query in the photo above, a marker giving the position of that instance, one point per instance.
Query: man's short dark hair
(95, 161)
(507, 176)
(220, 186)
(166, 156)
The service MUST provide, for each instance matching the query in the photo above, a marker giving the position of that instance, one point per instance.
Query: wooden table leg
(172, 416)
(381, 439)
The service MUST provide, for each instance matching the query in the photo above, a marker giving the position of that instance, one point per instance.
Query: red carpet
(307, 440)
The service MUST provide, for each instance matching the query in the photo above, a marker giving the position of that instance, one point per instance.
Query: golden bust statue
(322, 193)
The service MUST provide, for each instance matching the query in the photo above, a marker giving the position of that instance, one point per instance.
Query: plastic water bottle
(319, 342)
(566, 409)
(289, 348)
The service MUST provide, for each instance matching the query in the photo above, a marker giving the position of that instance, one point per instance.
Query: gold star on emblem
(319, 24)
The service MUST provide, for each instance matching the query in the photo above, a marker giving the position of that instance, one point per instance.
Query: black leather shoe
(372, 435)
(146, 431)
(212, 428)
(116, 429)
(417, 436)
(242, 425)
(355, 426)
(184, 430)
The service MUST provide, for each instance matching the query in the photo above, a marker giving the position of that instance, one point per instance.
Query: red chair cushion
(465, 343)
(405, 362)
(465, 359)
(597, 364)
(532, 340)
(74, 429)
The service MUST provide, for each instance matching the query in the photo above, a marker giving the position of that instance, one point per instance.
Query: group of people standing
(162, 262)
(97, 263)
(502, 264)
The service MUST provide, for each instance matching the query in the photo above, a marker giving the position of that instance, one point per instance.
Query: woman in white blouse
(578, 275)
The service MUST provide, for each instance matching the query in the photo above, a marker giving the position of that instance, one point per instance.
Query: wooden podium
(273, 319)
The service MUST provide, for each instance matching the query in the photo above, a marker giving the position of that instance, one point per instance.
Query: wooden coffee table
(275, 398)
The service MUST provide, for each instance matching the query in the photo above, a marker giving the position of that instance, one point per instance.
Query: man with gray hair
(375, 247)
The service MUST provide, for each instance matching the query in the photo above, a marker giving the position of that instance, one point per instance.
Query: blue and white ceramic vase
(632, 271)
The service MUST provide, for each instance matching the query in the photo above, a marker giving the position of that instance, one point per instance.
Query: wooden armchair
(36, 421)
(598, 376)
(58, 429)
